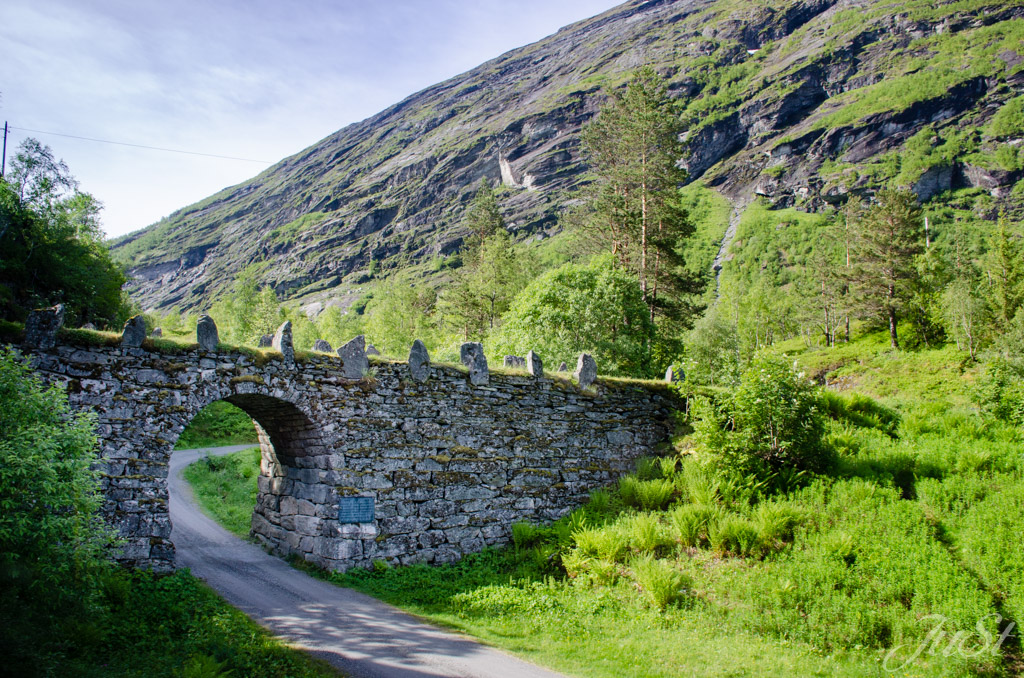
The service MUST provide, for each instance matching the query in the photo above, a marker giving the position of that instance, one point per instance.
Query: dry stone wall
(384, 467)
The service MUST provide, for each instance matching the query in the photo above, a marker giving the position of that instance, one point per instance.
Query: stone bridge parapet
(385, 467)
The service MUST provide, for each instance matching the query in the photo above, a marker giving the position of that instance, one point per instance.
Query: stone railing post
(206, 333)
(419, 361)
(472, 355)
(586, 370)
(283, 342)
(355, 364)
(534, 365)
(42, 325)
(134, 332)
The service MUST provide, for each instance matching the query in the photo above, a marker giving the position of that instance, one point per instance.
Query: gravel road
(355, 633)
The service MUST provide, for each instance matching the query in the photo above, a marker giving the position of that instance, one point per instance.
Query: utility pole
(3, 159)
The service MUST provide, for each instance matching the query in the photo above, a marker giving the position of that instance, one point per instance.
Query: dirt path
(355, 633)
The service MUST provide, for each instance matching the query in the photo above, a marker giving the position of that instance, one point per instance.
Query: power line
(151, 148)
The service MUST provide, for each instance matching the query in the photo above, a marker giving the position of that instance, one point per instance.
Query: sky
(255, 80)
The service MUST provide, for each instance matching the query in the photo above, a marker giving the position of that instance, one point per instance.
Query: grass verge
(225, 487)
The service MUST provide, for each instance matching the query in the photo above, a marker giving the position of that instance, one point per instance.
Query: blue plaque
(355, 510)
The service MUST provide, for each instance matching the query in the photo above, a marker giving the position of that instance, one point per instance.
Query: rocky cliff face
(800, 102)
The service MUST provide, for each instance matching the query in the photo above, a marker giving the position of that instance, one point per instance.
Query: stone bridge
(406, 462)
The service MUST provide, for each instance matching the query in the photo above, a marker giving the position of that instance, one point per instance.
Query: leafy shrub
(735, 535)
(773, 421)
(840, 546)
(649, 495)
(692, 523)
(648, 468)
(668, 466)
(600, 502)
(1001, 391)
(578, 308)
(699, 485)
(590, 570)
(51, 537)
(654, 495)
(628, 490)
(659, 580)
(776, 522)
(646, 533)
(609, 542)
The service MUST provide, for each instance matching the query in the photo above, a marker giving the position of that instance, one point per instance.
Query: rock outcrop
(786, 100)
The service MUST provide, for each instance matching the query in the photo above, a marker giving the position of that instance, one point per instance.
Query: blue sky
(254, 79)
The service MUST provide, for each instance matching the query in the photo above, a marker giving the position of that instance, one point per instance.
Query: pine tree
(634, 208)
(484, 288)
(823, 287)
(491, 274)
(886, 239)
(1004, 269)
(483, 218)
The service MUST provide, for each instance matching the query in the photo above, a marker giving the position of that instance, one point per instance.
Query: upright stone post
(42, 325)
(586, 370)
(283, 342)
(323, 346)
(355, 364)
(134, 332)
(419, 361)
(472, 355)
(266, 341)
(562, 367)
(371, 350)
(534, 365)
(206, 333)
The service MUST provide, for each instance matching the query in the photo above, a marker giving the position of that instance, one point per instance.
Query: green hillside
(799, 103)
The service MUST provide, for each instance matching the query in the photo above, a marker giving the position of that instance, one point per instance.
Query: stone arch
(291, 496)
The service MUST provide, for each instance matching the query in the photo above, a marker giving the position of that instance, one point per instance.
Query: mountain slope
(800, 102)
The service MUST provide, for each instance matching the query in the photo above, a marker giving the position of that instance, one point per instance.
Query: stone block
(472, 356)
(134, 332)
(419, 362)
(534, 365)
(339, 549)
(283, 342)
(42, 325)
(586, 370)
(207, 335)
(404, 525)
(460, 493)
(515, 362)
(308, 525)
(355, 364)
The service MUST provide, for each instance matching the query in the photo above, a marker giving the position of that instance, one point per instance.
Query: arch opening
(290, 494)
